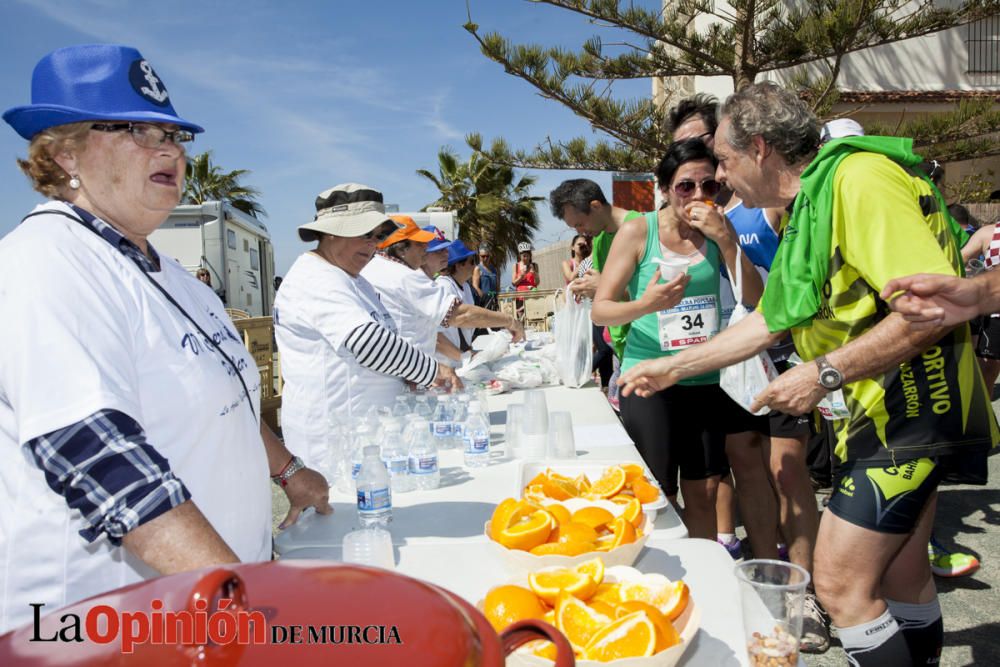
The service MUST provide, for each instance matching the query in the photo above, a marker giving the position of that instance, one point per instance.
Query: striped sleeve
(380, 350)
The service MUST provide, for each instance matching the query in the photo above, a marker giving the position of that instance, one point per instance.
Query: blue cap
(458, 251)
(94, 82)
(439, 242)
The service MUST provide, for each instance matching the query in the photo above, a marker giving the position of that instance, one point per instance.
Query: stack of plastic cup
(561, 442)
(369, 546)
(535, 428)
(512, 430)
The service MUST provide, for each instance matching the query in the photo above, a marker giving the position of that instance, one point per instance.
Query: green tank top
(694, 320)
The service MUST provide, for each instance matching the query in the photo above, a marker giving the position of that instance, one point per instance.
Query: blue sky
(310, 94)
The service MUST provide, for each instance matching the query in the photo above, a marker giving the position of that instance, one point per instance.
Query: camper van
(234, 247)
(444, 220)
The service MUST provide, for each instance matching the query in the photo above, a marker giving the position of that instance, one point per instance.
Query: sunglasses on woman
(378, 234)
(709, 187)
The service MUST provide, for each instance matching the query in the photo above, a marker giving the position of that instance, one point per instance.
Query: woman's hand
(446, 377)
(663, 296)
(710, 221)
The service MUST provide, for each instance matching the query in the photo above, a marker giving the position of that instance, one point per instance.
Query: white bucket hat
(840, 128)
(348, 209)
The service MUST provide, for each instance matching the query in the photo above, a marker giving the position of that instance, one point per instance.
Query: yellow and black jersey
(886, 224)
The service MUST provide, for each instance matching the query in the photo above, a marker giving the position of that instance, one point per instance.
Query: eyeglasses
(378, 234)
(709, 187)
(146, 135)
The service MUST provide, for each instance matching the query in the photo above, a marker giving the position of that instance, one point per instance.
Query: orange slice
(537, 479)
(633, 471)
(624, 532)
(607, 592)
(610, 483)
(594, 568)
(593, 516)
(560, 489)
(603, 607)
(547, 584)
(632, 636)
(573, 531)
(578, 621)
(562, 548)
(671, 599)
(644, 491)
(528, 533)
(504, 605)
(535, 492)
(559, 512)
(666, 634)
(633, 509)
(502, 515)
(582, 483)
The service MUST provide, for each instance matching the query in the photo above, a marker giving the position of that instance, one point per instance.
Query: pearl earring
(74, 182)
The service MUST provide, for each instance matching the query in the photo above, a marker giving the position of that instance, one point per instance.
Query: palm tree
(492, 204)
(207, 182)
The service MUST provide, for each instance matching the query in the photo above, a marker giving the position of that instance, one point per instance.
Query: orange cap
(408, 232)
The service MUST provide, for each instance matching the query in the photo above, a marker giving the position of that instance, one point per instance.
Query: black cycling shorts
(782, 425)
(988, 341)
(685, 427)
(886, 499)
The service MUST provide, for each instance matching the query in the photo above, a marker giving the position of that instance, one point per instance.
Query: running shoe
(815, 626)
(735, 549)
(946, 563)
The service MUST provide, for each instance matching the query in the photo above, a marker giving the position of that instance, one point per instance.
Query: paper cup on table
(671, 267)
(686, 624)
(561, 443)
(772, 593)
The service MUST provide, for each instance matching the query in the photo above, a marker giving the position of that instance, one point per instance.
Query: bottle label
(458, 429)
(480, 443)
(355, 469)
(396, 467)
(423, 465)
(442, 429)
(372, 500)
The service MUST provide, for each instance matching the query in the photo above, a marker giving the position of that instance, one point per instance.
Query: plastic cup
(512, 429)
(671, 267)
(772, 593)
(535, 427)
(369, 546)
(561, 442)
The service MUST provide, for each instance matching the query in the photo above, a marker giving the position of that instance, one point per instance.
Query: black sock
(877, 643)
(922, 628)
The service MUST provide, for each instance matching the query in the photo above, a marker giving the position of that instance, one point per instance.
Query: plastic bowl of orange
(568, 538)
(673, 620)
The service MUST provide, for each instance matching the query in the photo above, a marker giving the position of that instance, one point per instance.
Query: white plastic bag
(744, 380)
(574, 355)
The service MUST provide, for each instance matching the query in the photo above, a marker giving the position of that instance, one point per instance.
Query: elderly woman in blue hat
(129, 418)
(454, 279)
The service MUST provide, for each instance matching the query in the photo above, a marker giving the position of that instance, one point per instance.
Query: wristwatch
(829, 377)
(292, 467)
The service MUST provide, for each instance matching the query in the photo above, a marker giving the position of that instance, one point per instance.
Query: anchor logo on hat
(141, 73)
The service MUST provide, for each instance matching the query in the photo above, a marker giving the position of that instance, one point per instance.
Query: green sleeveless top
(694, 320)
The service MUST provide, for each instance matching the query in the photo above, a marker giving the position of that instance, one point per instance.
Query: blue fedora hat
(94, 82)
(458, 251)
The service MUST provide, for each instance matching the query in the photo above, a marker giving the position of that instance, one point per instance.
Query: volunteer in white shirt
(455, 280)
(129, 407)
(419, 305)
(341, 351)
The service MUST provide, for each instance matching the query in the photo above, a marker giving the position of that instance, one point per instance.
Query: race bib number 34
(694, 320)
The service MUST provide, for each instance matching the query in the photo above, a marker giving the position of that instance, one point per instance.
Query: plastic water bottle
(460, 403)
(477, 437)
(422, 407)
(402, 407)
(361, 438)
(441, 423)
(374, 491)
(396, 459)
(424, 471)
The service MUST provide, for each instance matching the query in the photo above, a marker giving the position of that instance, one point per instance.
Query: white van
(234, 247)
(444, 220)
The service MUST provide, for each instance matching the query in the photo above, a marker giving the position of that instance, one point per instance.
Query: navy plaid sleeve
(103, 467)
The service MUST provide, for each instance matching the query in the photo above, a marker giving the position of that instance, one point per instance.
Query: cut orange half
(527, 533)
(547, 584)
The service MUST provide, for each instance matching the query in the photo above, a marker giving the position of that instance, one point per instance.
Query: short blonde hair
(42, 170)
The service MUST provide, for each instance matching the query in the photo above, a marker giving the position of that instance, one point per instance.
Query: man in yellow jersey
(908, 404)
